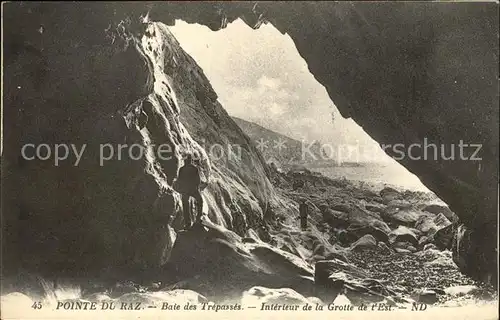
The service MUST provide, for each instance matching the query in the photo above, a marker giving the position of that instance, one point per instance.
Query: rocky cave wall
(77, 76)
(404, 72)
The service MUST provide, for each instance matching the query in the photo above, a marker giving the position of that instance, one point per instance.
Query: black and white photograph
(250, 159)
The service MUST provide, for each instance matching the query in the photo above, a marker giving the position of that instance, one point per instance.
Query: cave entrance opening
(266, 86)
(263, 82)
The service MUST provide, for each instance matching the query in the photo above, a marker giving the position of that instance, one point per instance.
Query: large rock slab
(365, 242)
(213, 261)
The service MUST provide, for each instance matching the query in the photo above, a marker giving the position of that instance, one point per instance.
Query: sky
(259, 76)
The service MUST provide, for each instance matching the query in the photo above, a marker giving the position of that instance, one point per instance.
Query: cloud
(276, 109)
(267, 82)
(259, 76)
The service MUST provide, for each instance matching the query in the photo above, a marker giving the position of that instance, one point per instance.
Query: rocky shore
(401, 238)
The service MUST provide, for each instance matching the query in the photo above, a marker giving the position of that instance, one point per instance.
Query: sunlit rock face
(80, 75)
(407, 73)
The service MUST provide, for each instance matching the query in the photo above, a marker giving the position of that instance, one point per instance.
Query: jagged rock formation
(403, 71)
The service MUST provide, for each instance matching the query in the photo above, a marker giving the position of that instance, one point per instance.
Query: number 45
(37, 305)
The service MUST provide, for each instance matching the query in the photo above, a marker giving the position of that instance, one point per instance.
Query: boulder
(125, 287)
(358, 215)
(427, 296)
(437, 258)
(342, 207)
(336, 276)
(443, 238)
(323, 270)
(460, 290)
(381, 225)
(438, 291)
(431, 254)
(209, 252)
(441, 221)
(403, 234)
(334, 218)
(257, 295)
(373, 230)
(405, 217)
(365, 290)
(345, 238)
(97, 297)
(399, 204)
(375, 208)
(425, 240)
(429, 246)
(315, 300)
(443, 261)
(365, 242)
(389, 301)
(404, 245)
(411, 248)
(158, 297)
(394, 207)
(431, 227)
(425, 223)
(13, 300)
(328, 287)
(388, 194)
(437, 209)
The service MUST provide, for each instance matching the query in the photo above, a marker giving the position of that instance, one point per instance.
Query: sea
(378, 175)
